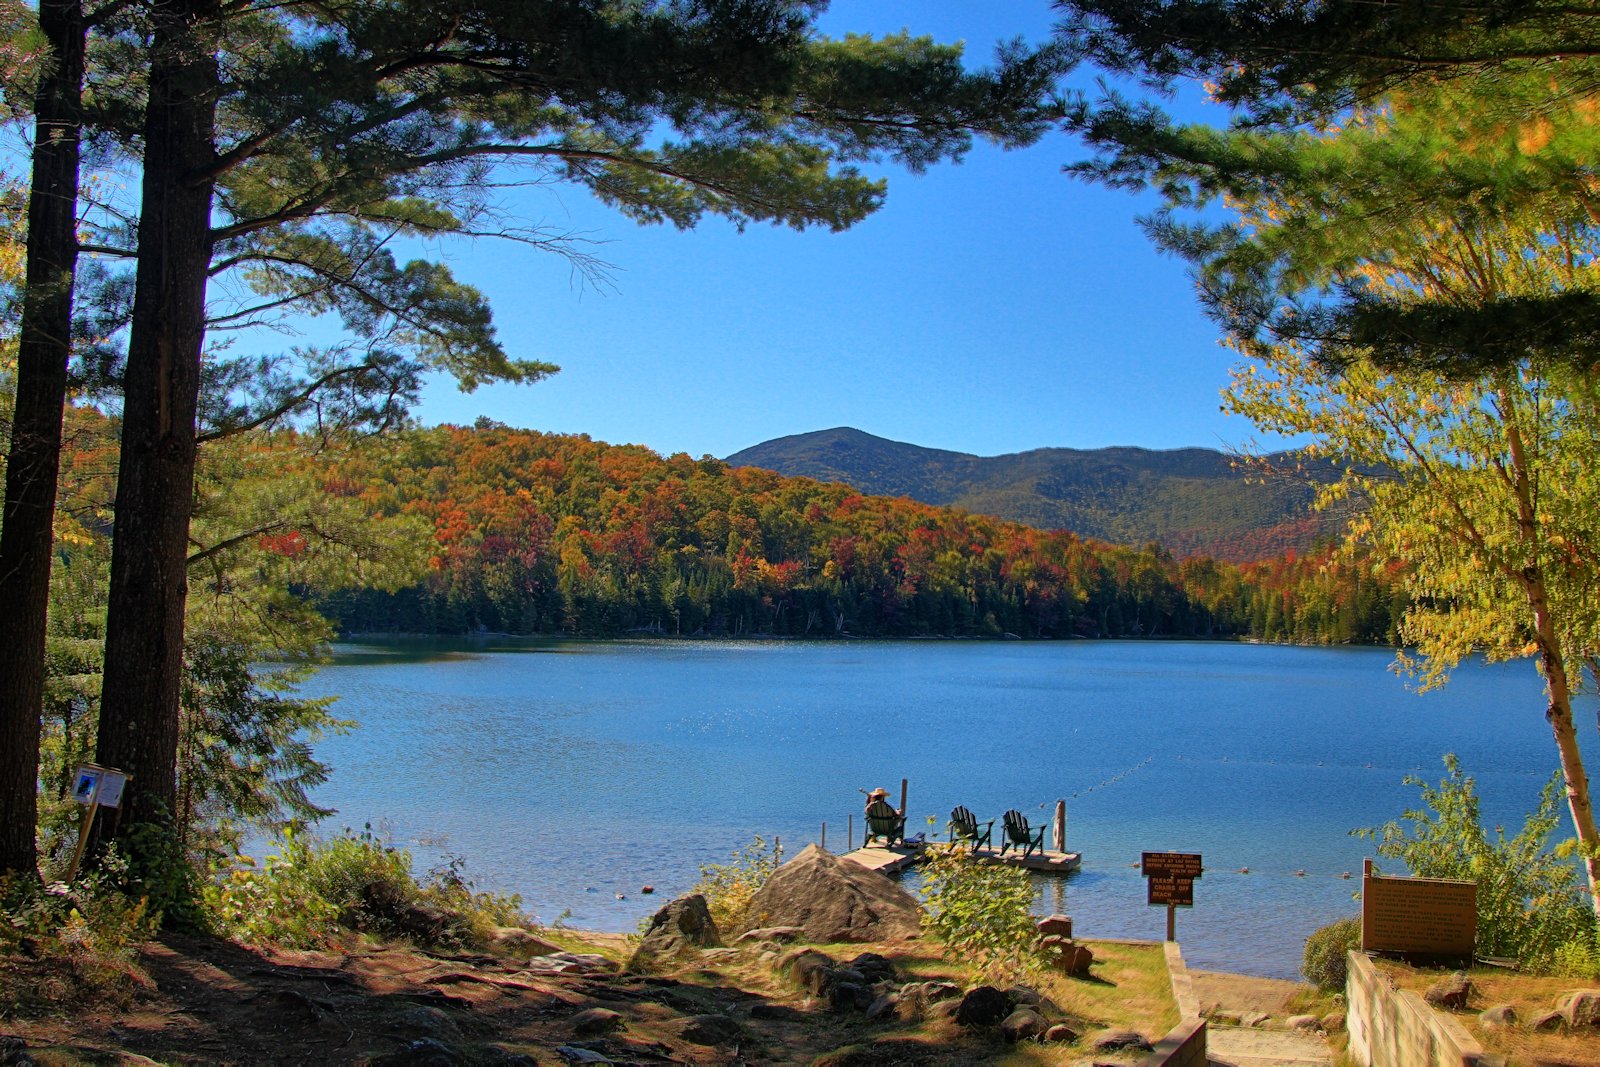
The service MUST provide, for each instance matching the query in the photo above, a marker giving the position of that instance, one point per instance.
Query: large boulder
(1580, 1008)
(683, 925)
(832, 900)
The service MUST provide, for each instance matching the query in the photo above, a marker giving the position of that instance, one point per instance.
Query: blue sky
(992, 306)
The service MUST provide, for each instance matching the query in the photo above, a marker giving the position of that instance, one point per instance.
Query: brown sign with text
(1424, 916)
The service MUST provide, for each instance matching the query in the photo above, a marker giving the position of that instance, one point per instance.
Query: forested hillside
(1192, 501)
(545, 533)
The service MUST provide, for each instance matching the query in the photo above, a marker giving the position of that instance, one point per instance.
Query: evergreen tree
(1357, 119)
(383, 112)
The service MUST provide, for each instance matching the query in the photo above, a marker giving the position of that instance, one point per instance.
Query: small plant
(1530, 904)
(730, 887)
(983, 911)
(1324, 964)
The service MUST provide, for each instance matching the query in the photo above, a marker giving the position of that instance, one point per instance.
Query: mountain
(1193, 501)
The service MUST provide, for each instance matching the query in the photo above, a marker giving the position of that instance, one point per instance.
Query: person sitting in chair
(879, 794)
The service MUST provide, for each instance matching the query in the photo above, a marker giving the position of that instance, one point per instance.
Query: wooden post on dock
(850, 835)
(824, 835)
(903, 783)
(1060, 833)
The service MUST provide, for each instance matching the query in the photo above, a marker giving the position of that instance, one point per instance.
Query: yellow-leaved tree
(1485, 490)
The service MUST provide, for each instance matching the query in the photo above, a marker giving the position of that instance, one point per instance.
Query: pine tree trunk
(33, 462)
(155, 488)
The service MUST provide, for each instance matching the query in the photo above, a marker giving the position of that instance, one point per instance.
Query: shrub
(1324, 964)
(1531, 906)
(307, 893)
(729, 887)
(982, 911)
(73, 944)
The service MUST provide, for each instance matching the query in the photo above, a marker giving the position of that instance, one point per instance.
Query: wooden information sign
(1418, 916)
(1171, 864)
(1179, 892)
(1169, 880)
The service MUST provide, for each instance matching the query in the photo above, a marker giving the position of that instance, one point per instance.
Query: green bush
(729, 887)
(1324, 964)
(309, 892)
(1531, 904)
(980, 910)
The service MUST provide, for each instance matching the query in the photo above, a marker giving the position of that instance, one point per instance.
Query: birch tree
(1484, 491)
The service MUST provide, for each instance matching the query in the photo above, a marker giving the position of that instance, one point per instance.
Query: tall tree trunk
(155, 488)
(33, 462)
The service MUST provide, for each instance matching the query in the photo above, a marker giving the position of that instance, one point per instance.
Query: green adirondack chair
(1020, 835)
(963, 826)
(883, 821)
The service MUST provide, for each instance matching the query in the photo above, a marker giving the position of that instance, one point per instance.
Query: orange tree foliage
(545, 533)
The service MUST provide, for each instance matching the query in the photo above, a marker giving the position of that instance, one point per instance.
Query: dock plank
(893, 860)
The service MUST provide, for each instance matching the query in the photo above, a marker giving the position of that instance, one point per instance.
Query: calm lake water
(572, 772)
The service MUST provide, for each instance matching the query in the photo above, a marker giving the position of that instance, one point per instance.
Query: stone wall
(1185, 1044)
(1392, 1028)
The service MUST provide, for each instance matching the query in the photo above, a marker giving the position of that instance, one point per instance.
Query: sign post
(1169, 880)
(94, 787)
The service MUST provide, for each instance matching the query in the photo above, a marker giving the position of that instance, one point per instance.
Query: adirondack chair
(883, 821)
(1019, 835)
(963, 826)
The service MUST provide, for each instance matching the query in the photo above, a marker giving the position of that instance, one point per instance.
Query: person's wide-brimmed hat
(879, 792)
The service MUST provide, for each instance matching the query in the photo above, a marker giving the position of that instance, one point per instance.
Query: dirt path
(1238, 996)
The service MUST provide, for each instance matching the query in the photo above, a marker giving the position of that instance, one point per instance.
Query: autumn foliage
(546, 533)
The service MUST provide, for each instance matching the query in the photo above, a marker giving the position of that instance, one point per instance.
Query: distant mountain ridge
(1193, 501)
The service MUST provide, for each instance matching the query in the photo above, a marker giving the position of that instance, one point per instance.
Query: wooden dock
(894, 860)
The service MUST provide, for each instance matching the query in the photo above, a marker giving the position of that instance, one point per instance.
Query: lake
(573, 773)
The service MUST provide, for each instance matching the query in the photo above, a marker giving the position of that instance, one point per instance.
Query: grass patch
(1128, 988)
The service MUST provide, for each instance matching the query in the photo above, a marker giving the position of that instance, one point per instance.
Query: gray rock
(1548, 1022)
(1060, 1034)
(1115, 1040)
(1333, 1022)
(1055, 926)
(935, 991)
(983, 1006)
(597, 1021)
(683, 925)
(1023, 1024)
(711, 1030)
(849, 996)
(873, 967)
(1580, 1008)
(519, 943)
(808, 968)
(1498, 1017)
(1303, 1022)
(423, 1052)
(831, 900)
(1452, 992)
(781, 934)
(886, 1005)
(1027, 996)
(1254, 1019)
(575, 1054)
